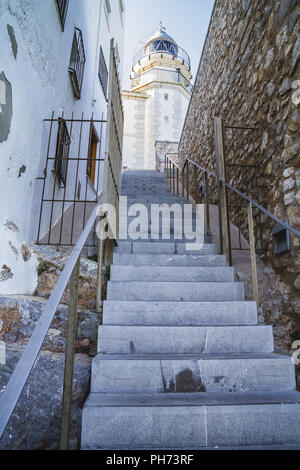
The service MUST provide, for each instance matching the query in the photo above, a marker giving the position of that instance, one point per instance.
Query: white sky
(185, 20)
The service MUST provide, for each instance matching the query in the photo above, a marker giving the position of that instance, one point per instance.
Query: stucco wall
(34, 81)
(249, 73)
(36, 66)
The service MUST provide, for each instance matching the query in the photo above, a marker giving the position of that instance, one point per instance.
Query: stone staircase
(182, 362)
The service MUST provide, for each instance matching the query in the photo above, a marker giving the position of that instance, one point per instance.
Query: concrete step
(147, 200)
(167, 260)
(117, 312)
(171, 273)
(188, 373)
(190, 420)
(175, 291)
(164, 247)
(114, 339)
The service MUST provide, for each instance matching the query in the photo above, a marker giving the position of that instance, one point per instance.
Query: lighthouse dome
(160, 41)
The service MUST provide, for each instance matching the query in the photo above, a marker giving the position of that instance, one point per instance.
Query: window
(62, 151)
(122, 10)
(62, 7)
(166, 96)
(92, 154)
(77, 63)
(103, 73)
(107, 10)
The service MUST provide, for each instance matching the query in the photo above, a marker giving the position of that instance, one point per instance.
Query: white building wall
(40, 83)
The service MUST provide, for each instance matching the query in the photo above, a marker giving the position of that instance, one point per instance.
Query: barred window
(103, 72)
(77, 63)
(62, 152)
(62, 7)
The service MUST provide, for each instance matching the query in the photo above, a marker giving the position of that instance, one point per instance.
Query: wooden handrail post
(195, 185)
(101, 255)
(206, 203)
(69, 358)
(173, 175)
(224, 227)
(253, 254)
(187, 181)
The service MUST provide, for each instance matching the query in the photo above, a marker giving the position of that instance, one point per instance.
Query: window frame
(62, 150)
(62, 9)
(103, 77)
(77, 63)
(91, 162)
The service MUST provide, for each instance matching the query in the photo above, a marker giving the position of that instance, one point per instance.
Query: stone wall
(249, 74)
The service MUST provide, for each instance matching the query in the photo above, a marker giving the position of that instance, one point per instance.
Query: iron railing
(177, 52)
(70, 274)
(179, 180)
(69, 195)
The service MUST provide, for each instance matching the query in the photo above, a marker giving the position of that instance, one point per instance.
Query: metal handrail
(18, 379)
(173, 172)
(244, 196)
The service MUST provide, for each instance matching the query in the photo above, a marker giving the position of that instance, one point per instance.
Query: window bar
(45, 176)
(76, 177)
(85, 194)
(66, 178)
(54, 176)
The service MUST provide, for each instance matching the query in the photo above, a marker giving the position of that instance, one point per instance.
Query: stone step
(190, 420)
(171, 273)
(188, 373)
(175, 291)
(179, 313)
(115, 339)
(164, 247)
(147, 200)
(167, 260)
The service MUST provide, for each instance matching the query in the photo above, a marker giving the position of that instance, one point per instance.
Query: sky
(185, 20)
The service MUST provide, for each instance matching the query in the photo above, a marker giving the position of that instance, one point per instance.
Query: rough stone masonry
(249, 73)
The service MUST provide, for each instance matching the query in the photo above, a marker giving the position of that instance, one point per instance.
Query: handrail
(18, 379)
(237, 191)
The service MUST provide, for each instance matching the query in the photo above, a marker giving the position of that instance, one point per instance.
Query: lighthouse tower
(156, 104)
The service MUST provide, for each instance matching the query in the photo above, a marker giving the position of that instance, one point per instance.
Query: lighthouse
(156, 104)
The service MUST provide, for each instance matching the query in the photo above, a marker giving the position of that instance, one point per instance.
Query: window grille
(62, 7)
(77, 63)
(62, 152)
(103, 72)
